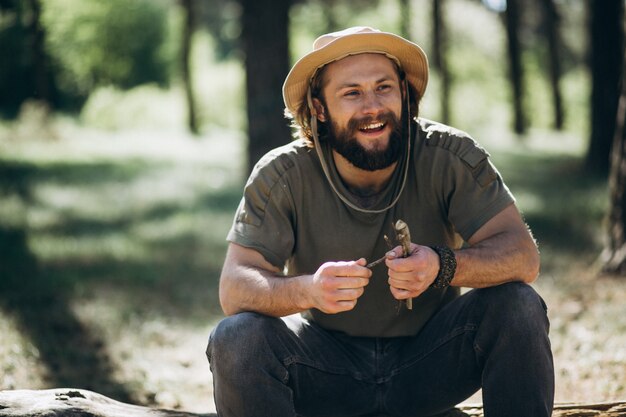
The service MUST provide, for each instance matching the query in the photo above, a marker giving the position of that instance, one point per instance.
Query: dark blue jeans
(495, 338)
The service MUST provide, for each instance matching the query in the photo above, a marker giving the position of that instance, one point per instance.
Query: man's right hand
(250, 283)
(336, 286)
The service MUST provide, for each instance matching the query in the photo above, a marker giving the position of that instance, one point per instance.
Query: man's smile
(373, 127)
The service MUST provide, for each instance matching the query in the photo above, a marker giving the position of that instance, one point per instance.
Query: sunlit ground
(112, 243)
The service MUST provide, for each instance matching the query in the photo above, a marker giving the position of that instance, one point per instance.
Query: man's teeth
(373, 126)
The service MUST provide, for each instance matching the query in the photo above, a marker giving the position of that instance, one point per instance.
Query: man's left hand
(409, 277)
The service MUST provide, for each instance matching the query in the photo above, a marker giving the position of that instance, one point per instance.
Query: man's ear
(319, 109)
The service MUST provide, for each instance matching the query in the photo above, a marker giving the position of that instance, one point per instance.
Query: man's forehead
(365, 65)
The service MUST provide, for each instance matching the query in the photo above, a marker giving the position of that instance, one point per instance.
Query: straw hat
(352, 41)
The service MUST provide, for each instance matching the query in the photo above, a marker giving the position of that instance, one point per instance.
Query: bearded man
(312, 329)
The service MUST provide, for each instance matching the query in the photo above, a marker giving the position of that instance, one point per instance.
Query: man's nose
(372, 104)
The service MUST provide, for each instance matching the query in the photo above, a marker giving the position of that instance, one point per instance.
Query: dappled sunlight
(127, 233)
(161, 356)
(221, 147)
(19, 358)
(588, 333)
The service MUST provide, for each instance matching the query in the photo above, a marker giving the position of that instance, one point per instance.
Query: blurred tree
(512, 19)
(27, 73)
(551, 27)
(606, 32)
(265, 38)
(187, 38)
(614, 254)
(440, 62)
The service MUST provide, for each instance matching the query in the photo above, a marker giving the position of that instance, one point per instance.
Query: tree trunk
(440, 62)
(187, 42)
(40, 66)
(614, 254)
(607, 38)
(551, 23)
(515, 65)
(265, 43)
(81, 403)
(405, 18)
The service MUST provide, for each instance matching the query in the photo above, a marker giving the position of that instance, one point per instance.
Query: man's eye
(351, 93)
(384, 87)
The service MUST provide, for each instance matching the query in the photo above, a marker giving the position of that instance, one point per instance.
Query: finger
(350, 269)
(400, 294)
(404, 285)
(408, 280)
(338, 306)
(346, 305)
(361, 262)
(349, 294)
(403, 275)
(346, 283)
(399, 284)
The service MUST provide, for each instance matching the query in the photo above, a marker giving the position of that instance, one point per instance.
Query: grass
(111, 245)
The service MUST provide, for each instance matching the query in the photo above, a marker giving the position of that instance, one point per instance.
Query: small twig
(404, 237)
(379, 260)
(376, 262)
(388, 242)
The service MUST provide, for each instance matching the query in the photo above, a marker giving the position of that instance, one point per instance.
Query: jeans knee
(239, 337)
(516, 305)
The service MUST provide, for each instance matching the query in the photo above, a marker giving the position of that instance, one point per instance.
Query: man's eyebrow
(353, 84)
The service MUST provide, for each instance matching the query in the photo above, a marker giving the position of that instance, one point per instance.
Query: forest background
(128, 129)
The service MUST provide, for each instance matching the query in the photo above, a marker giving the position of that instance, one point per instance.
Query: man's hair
(301, 120)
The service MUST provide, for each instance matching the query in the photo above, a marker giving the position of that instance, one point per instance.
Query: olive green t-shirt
(290, 214)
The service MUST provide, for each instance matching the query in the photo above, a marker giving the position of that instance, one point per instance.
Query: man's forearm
(498, 259)
(265, 292)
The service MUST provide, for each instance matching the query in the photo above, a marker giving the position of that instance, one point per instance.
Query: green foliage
(114, 42)
(112, 108)
(219, 86)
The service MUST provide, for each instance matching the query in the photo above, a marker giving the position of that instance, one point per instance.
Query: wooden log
(67, 402)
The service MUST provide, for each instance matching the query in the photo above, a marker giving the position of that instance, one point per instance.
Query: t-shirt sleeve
(475, 189)
(264, 218)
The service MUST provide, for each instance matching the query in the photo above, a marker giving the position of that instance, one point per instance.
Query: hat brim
(410, 56)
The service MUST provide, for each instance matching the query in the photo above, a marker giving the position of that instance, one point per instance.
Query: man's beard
(344, 142)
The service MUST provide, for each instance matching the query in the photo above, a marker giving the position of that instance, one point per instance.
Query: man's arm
(250, 283)
(502, 250)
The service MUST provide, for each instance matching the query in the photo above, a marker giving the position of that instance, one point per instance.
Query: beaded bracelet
(447, 267)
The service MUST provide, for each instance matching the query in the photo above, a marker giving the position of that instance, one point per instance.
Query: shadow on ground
(72, 353)
(180, 275)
